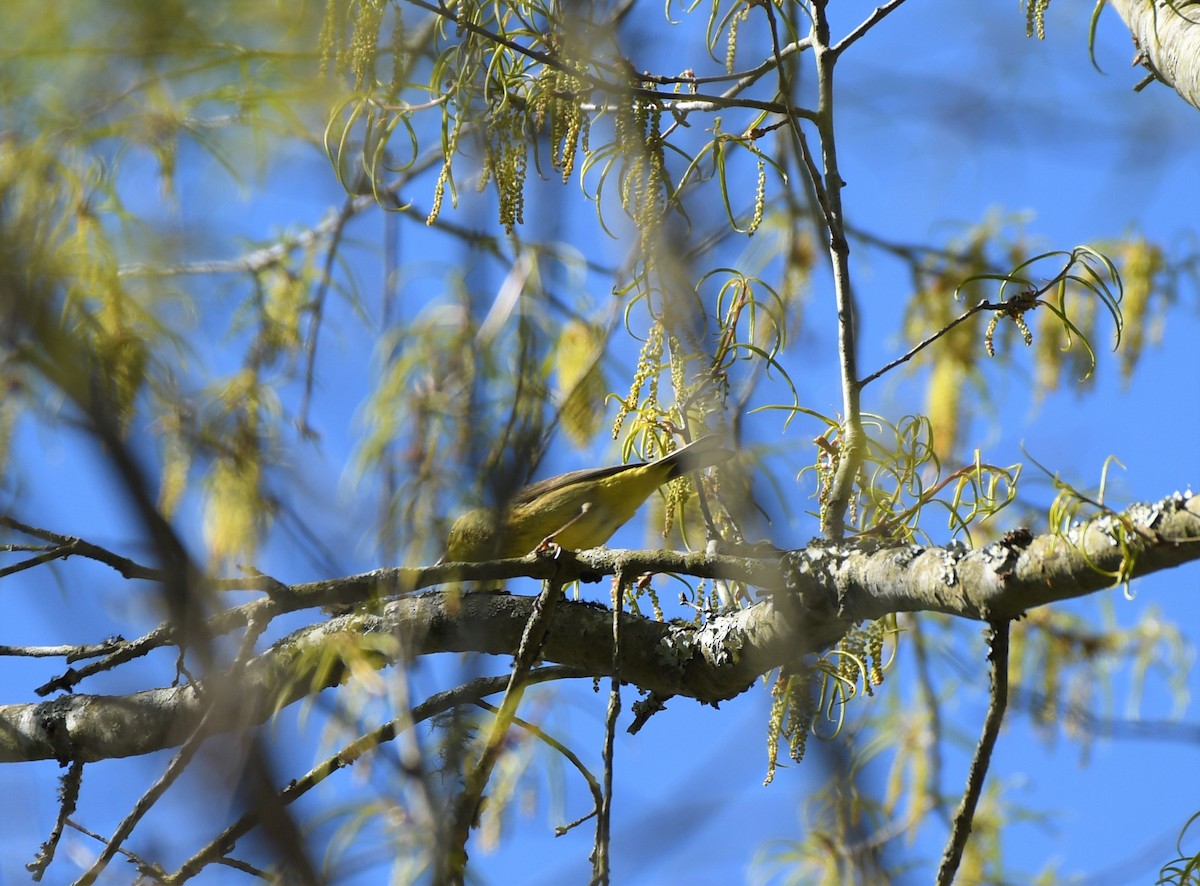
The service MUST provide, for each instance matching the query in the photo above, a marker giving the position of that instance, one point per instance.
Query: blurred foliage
(96, 91)
(1065, 666)
(508, 331)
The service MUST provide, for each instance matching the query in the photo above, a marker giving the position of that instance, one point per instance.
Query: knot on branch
(52, 726)
(810, 577)
(1002, 555)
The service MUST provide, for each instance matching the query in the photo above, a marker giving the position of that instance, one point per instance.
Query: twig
(571, 757)
(453, 861)
(143, 866)
(877, 15)
(963, 818)
(318, 311)
(261, 259)
(778, 54)
(695, 101)
(66, 546)
(70, 653)
(920, 346)
(831, 182)
(68, 795)
(177, 765)
(600, 857)
(351, 753)
(174, 769)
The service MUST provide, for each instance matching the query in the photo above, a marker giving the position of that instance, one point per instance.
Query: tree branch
(348, 755)
(819, 593)
(965, 816)
(1167, 37)
(852, 440)
(467, 804)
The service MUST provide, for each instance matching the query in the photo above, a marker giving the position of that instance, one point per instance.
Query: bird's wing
(553, 484)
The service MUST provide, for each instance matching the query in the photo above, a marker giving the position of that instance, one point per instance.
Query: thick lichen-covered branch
(811, 598)
(1167, 36)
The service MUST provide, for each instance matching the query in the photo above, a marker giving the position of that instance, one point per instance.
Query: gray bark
(811, 598)
(1167, 35)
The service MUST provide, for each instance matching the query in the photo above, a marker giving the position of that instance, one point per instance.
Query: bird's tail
(697, 455)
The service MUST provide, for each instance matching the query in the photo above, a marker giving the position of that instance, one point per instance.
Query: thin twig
(852, 436)
(453, 861)
(1012, 306)
(174, 769)
(917, 348)
(68, 798)
(777, 56)
(601, 856)
(351, 753)
(695, 101)
(70, 653)
(965, 816)
(814, 172)
(66, 546)
(571, 757)
(261, 259)
(178, 763)
(318, 311)
(141, 864)
(877, 15)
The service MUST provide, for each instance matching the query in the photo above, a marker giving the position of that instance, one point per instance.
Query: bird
(576, 510)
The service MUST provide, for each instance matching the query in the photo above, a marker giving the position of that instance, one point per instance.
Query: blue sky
(947, 112)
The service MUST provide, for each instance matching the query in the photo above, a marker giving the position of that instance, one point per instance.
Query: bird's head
(474, 537)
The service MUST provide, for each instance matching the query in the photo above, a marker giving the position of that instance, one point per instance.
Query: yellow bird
(578, 510)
